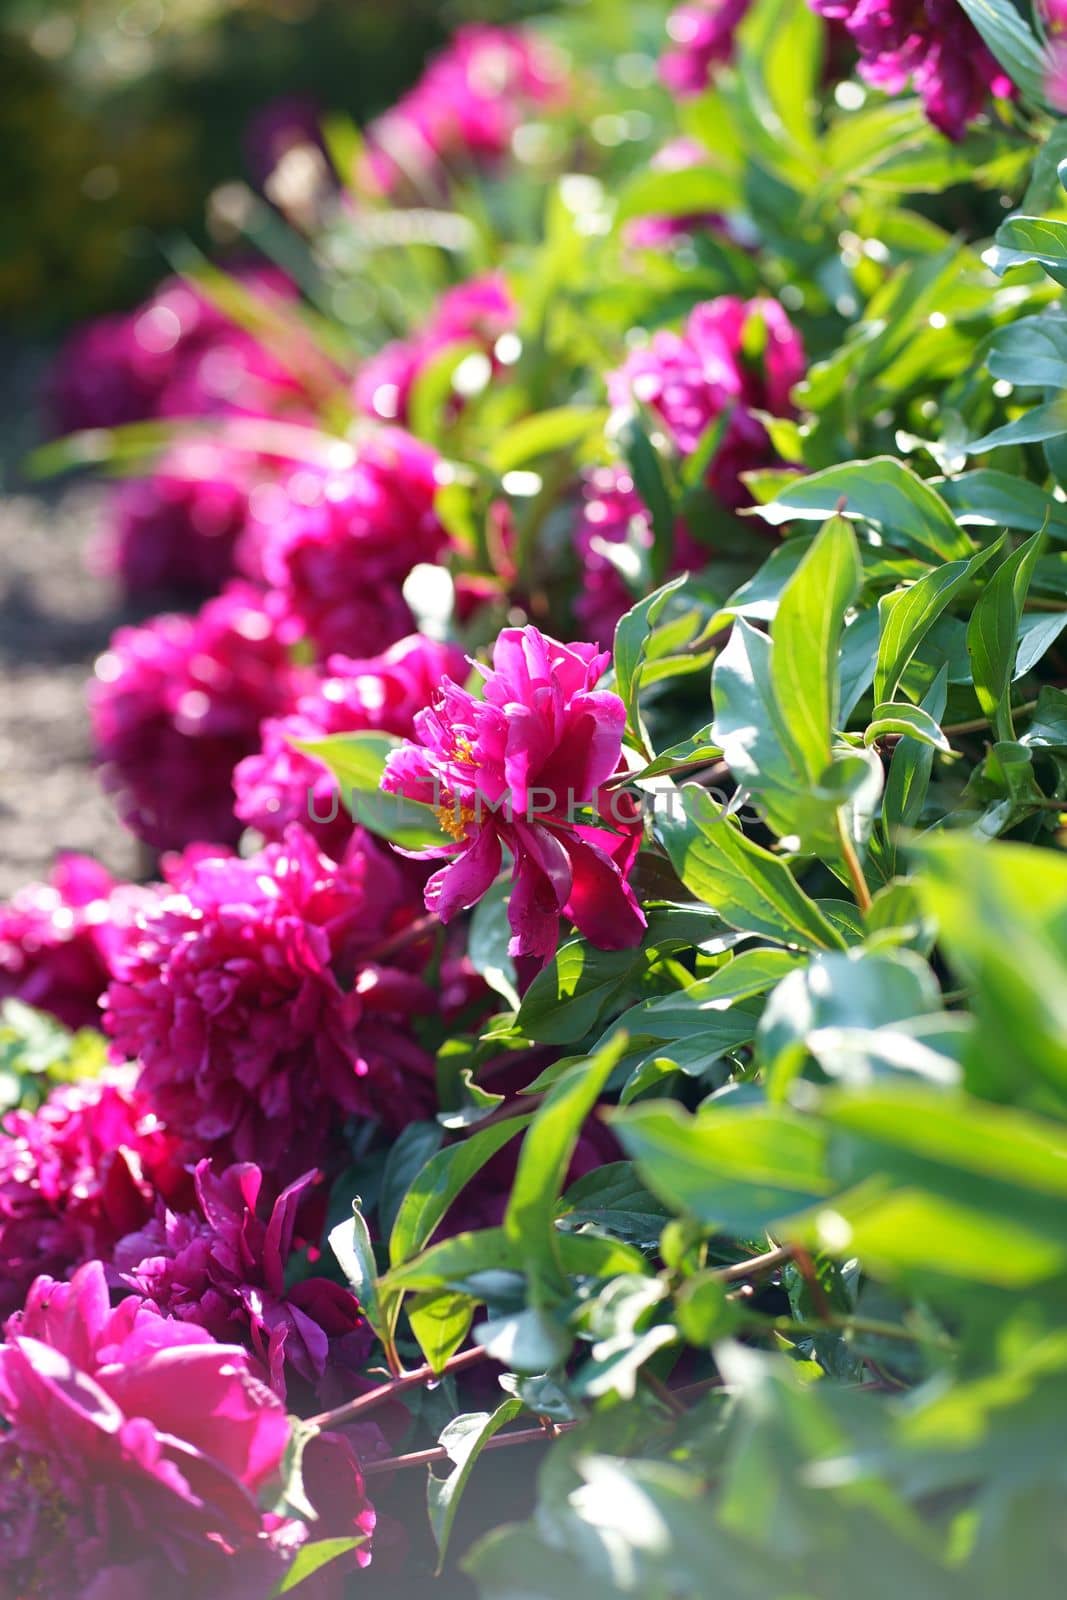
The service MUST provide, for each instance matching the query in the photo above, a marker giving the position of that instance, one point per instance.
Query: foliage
(803, 1334)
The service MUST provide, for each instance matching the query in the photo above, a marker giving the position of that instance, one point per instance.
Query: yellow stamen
(454, 821)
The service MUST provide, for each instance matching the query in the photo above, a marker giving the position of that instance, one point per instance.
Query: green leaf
(630, 649)
(908, 614)
(1033, 427)
(412, 1149)
(544, 433)
(1012, 42)
(990, 499)
(750, 889)
(444, 1176)
(574, 991)
(1021, 240)
(313, 1558)
(488, 940)
(909, 720)
(529, 1221)
(806, 633)
(440, 1323)
(1031, 353)
(992, 631)
(357, 761)
(738, 1170)
(883, 492)
(351, 1243)
(647, 471)
(463, 1439)
(691, 191)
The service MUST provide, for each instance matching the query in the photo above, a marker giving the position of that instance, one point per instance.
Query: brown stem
(976, 724)
(806, 1267)
(758, 1266)
(358, 1408)
(399, 941)
(852, 863)
(499, 1441)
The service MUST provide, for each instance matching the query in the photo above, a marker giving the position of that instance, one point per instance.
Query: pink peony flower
(55, 938)
(254, 1002)
(511, 771)
(177, 703)
(731, 354)
(613, 515)
(223, 1265)
(177, 355)
(280, 784)
(478, 312)
(931, 44)
(77, 1175)
(336, 548)
(702, 39)
(465, 107)
(177, 530)
(136, 1450)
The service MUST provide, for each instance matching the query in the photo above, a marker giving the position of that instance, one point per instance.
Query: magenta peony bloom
(280, 784)
(55, 938)
(177, 355)
(613, 515)
(702, 39)
(177, 703)
(254, 1002)
(337, 547)
(931, 44)
(731, 354)
(177, 531)
(478, 312)
(136, 1450)
(512, 771)
(465, 107)
(77, 1175)
(652, 233)
(222, 1266)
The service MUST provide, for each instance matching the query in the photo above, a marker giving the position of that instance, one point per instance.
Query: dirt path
(55, 618)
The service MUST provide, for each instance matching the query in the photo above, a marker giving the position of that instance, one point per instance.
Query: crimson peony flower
(55, 938)
(478, 312)
(177, 530)
(465, 107)
(177, 355)
(702, 37)
(222, 1267)
(136, 1451)
(177, 703)
(512, 771)
(732, 353)
(613, 515)
(280, 784)
(77, 1175)
(252, 998)
(930, 43)
(337, 547)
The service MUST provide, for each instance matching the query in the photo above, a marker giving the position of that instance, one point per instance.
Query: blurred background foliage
(118, 118)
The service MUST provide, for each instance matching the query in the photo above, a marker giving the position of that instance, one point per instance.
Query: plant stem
(499, 1441)
(852, 862)
(976, 724)
(757, 1267)
(355, 1409)
(839, 1324)
(399, 941)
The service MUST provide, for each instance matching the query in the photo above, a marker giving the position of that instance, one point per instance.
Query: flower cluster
(281, 784)
(513, 770)
(177, 703)
(702, 39)
(732, 356)
(56, 938)
(335, 548)
(464, 109)
(77, 1175)
(222, 1266)
(930, 44)
(136, 1451)
(478, 313)
(253, 1000)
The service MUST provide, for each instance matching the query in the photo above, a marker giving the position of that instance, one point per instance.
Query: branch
(358, 1408)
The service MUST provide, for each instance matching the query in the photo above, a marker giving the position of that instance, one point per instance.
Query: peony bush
(596, 990)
